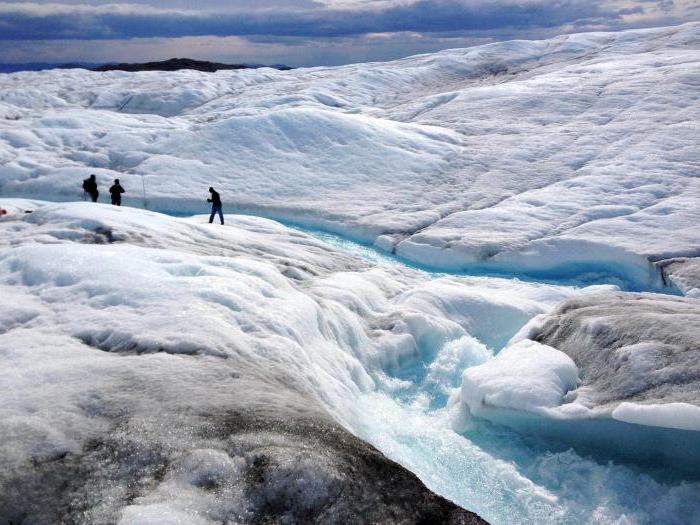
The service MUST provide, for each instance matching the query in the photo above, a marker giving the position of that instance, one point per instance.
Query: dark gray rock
(176, 64)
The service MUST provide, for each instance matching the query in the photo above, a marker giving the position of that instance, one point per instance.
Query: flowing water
(490, 469)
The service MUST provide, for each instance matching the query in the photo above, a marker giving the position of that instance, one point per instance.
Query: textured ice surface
(145, 380)
(595, 361)
(570, 156)
(158, 366)
(629, 347)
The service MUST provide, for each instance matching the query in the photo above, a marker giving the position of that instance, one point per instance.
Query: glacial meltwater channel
(504, 476)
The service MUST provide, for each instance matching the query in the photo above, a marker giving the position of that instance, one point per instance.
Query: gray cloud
(32, 21)
(302, 32)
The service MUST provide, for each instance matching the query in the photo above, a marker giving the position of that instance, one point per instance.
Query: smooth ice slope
(569, 156)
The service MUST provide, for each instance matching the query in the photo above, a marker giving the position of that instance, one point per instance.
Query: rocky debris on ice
(195, 465)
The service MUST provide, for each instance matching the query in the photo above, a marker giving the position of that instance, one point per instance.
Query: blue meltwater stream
(502, 475)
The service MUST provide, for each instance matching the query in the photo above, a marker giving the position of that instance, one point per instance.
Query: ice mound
(524, 376)
(614, 371)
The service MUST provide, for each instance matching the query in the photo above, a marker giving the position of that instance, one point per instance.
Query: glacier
(147, 382)
(156, 364)
(483, 263)
(582, 147)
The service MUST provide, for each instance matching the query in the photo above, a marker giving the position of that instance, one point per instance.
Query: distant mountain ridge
(172, 64)
(175, 64)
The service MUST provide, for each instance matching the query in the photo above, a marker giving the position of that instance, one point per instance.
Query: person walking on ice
(215, 206)
(90, 187)
(116, 192)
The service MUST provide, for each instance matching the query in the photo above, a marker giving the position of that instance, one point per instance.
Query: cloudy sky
(301, 32)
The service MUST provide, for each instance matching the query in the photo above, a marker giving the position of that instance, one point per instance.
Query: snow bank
(683, 416)
(572, 156)
(524, 376)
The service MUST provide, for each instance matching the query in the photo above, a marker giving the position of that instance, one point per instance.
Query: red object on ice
(3, 212)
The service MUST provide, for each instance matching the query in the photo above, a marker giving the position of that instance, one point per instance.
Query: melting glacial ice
(503, 475)
(100, 296)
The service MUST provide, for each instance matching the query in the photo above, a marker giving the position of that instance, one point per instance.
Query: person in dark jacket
(90, 187)
(116, 192)
(215, 206)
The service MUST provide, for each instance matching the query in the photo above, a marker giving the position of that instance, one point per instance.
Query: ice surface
(157, 365)
(161, 368)
(573, 155)
(146, 380)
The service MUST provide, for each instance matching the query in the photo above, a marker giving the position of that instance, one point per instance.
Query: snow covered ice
(179, 349)
(159, 368)
(582, 146)
(155, 382)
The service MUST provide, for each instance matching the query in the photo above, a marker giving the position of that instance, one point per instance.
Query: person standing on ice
(116, 192)
(215, 206)
(90, 187)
